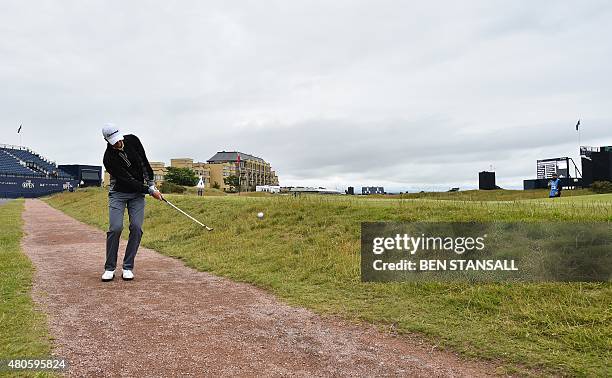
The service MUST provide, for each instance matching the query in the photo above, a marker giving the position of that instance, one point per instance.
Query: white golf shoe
(108, 275)
(127, 275)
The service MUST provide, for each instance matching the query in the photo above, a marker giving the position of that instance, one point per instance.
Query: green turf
(306, 251)
(23, 329)
(487, 195)
(587, 198)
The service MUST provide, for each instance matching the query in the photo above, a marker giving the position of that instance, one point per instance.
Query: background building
(159, 171)
(202, 169)
(562, 166)
(486, 180)
(218, 172)
(26, 173)
(596, 164)
(181, 163)
(89, 175)
(365, 190)
(252, 170)
(268, 188)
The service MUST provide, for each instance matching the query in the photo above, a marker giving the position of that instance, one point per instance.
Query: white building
(268, 188)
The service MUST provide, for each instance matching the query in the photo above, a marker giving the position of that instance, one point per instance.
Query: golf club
(187, 215)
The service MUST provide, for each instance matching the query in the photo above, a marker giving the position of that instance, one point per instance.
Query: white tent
(200, 183)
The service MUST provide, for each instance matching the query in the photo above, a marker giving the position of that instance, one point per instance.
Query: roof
(232, 156)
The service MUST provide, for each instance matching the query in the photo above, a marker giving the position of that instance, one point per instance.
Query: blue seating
(10, 165)
(28, 156)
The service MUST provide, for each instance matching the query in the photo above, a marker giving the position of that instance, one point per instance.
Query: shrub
(602, 187)
(169, 187)
(181, 176)
(216, 185)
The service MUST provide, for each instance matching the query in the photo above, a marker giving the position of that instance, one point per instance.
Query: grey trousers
(117, 202)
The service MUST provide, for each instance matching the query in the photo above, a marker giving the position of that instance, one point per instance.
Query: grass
(23, 329)
(489, 195)
(588, 198)
(465, 195)
(212, 192)
(306, 251)
(192, 190)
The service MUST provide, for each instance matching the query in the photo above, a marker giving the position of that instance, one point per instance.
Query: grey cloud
(397, 92)
(407, 151)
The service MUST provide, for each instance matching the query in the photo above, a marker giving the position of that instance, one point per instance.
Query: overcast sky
(406, 94)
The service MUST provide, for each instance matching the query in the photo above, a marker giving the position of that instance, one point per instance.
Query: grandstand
(25, 173)
(9, 164)
(22, 160)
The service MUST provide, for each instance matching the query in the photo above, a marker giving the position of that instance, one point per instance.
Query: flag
(19, 129)
(577, 125)
(238, 160)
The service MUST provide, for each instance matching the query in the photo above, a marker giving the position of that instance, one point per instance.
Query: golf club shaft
(187, 215)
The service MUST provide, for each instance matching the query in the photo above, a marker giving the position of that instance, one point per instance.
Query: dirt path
(174, 321)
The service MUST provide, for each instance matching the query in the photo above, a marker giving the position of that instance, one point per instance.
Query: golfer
(131, 178)
(555, 186)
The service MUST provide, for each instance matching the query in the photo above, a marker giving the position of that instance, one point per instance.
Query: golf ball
(260, 215)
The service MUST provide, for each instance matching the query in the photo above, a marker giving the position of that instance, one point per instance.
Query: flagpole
(578, 128)
(579, 136)
(19, 132)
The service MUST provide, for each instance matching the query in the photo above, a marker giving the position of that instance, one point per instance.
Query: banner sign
(16, 187)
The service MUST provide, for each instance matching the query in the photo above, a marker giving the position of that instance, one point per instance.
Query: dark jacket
(130, 171)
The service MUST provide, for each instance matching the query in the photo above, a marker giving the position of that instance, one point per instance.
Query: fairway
(306, 252)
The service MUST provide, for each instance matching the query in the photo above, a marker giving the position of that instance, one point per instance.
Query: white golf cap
(111, 133)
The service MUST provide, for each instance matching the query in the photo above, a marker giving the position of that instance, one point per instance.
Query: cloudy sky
(406, 94)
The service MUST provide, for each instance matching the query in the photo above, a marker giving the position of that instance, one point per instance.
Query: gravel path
(174, 321)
